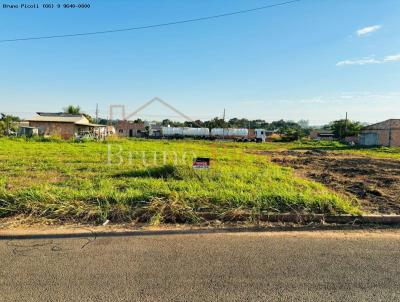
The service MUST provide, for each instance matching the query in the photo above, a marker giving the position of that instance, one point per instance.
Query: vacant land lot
(153, 181)
(375, 182)
(369, 175)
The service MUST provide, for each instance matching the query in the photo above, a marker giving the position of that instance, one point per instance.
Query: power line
(151, 26)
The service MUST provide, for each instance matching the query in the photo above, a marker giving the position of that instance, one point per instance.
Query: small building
(28, 131)
(110, 130)
(322, 135)
(64, 125)
(385, 133)
(130, 129)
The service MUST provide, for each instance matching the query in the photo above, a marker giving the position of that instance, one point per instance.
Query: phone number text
(44, 5)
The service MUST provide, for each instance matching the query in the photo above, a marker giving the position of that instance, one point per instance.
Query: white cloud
(370, 60)
(367, 30)
(363, 61)
(392, 58)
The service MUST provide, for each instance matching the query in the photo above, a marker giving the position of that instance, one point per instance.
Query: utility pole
(223, 116)
(97, 113)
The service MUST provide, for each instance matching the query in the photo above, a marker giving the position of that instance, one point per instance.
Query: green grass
(77, 182)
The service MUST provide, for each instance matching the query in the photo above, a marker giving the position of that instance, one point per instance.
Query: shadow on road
(92, 233)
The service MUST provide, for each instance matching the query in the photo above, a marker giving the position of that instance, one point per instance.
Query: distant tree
(233, 122)
(71, 109)
(167, 123)
(293, 135)
(8, 123)
(103, 121)
(239, 123)
(189, 124)
(283, 126)
(138, 121)
(254, 124)
(343, 128)
(216, 123)
(304, 124)
(198, 123)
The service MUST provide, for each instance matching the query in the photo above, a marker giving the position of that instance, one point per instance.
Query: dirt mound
(374, 182)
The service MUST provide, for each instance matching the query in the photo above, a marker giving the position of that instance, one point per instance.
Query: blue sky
(314, 59)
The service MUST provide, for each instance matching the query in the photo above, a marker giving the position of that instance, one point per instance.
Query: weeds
(168, 210)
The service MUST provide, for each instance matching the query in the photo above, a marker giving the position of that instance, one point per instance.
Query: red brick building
(130, 129)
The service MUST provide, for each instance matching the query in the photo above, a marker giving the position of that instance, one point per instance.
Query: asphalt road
(271, 266)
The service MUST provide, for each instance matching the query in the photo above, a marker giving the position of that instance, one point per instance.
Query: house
(326, 135)
(130, 129)
(64, 125)
(385, 133)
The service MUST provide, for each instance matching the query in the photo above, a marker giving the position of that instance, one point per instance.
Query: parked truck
(236, 134)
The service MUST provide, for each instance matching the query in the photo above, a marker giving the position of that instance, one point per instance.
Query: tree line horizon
(293, 130)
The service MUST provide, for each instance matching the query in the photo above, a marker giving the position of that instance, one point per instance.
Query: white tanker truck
(237, 134)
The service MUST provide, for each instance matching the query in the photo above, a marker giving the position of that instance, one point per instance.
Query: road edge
(254, 223)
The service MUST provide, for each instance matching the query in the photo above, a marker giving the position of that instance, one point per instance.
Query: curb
(307, 218)
(296, 222)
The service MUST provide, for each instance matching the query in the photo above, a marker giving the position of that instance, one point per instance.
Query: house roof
(59, 119)
(61, 114)
(90, 124)
(391, 123)
(77, 119)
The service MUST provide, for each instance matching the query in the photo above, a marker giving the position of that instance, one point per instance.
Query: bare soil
(374, 182)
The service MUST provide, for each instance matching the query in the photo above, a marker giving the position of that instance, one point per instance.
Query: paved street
(268, 266)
